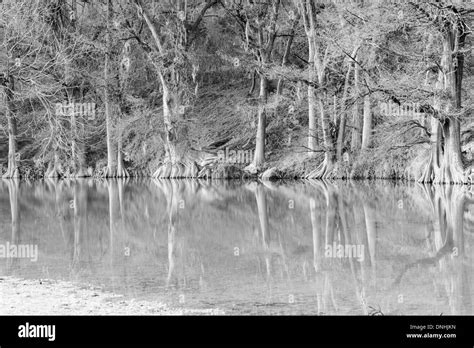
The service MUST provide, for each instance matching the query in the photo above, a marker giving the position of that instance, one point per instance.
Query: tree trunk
(111, 156)
(325, 169)
(124, 74)
(77, 128)
(121, 171)
(12, 170)
(356, 121)
(330, 153)
(342, 123)
(313, 140)
(169, 116)
(451, 168)
(367, 130)
(178, 162)
(259, 157)
(317, 73)
(312, 122)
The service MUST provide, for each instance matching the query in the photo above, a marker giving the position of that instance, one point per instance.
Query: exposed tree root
(451, 174)
(324, 171)
(122, 173)
(110, 173)
(183, 169)
(448, 172)
(427, 173)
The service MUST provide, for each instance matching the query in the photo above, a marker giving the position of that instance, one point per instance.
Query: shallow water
(250, 248)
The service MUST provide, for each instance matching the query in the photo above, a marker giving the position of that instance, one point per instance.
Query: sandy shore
(51, 297)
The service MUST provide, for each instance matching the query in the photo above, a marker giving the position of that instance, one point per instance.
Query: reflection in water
(13, 188)
(256, 248)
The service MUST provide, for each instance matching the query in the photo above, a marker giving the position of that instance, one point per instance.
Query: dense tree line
(114, 88)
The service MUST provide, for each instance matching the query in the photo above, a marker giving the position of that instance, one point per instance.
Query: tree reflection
(79, 207)
(417, 242)
(447, 203)
(14, 192)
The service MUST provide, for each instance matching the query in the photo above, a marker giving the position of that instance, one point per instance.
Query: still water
(315, 248)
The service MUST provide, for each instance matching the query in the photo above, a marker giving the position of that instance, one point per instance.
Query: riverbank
(52, 297)
(224, 148)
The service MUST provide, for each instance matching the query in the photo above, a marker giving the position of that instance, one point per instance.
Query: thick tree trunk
(325, 170)
(170, 132)
(111, 156)
(445, 164)
(317, 72)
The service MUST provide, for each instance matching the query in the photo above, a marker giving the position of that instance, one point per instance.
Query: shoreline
(53, 297)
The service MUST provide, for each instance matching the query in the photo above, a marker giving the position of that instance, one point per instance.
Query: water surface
(315, 248)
